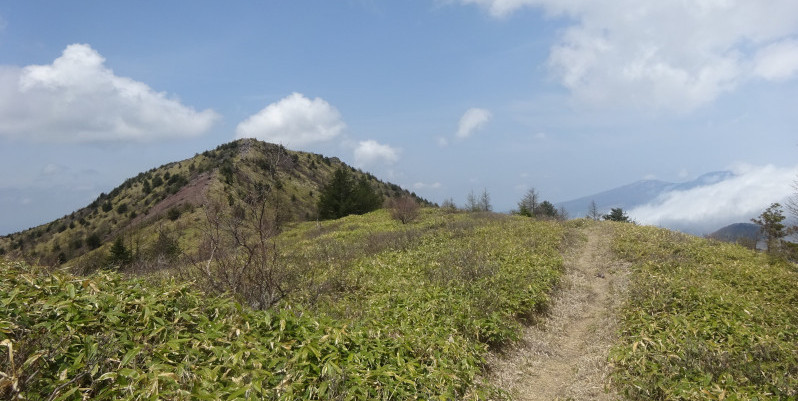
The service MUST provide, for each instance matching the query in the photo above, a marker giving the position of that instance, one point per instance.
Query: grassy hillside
(371, 308)
(383, 310)
(706, 320)
(172, 198)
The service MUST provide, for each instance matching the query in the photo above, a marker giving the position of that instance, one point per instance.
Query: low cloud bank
(705, 209)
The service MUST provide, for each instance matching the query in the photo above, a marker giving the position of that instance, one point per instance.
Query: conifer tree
(344, 195)
(617, 214)
(119, 255)
(771, 226)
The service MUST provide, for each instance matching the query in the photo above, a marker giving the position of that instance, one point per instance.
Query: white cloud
(501, 8)
(294, 121)
(473, 119)
(668, 55)
(78, 99)
(371, 152)
(778, 61)
(421, 185)
(707, 208)
(52, 169)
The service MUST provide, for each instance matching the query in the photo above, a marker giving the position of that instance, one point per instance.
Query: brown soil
(565, 356)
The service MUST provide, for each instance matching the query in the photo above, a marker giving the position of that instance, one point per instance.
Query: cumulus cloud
(503, 8)
(705, 209)
(670, 55)
(78, 99)
(372, 152)
(777, 62)
(294, 121)
(473, 119)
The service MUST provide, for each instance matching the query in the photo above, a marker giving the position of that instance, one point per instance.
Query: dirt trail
(565, 356)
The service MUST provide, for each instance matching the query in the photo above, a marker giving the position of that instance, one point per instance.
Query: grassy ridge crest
(413, 319)
(705, 320)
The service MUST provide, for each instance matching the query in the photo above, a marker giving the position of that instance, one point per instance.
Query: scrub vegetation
(254, 272)
(705, 320)
(389, 311)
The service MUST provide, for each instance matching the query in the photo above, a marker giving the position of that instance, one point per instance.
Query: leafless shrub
(449, 206)
(404, 209)
(239, 252)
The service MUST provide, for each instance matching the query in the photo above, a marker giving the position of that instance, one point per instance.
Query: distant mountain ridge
(638, 193)
(738, 232)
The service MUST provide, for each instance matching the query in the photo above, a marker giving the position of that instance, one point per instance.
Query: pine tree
(617, 214)
(343, 196)
(365, 199)
(119, 255)
(546, 209)
(772, 228)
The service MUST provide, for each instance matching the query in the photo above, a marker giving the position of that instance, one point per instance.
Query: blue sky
(442, 97)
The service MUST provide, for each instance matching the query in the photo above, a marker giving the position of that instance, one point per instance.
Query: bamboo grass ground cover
(414, 322)
(706, 320)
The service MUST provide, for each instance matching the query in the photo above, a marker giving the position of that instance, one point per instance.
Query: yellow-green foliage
(392, 311)
(705, 320)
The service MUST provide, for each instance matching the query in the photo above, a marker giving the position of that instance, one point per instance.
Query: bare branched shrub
(449, 206)
(404, 209)
(239, 252)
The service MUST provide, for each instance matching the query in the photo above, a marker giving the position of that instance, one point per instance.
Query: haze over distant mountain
(699, 206)
(638, 193)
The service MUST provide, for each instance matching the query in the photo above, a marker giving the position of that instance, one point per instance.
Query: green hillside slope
(376, 309)
(383, 310)
(172, 198)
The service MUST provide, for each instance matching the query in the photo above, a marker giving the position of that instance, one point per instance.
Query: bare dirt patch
(194, 193)
(564, 357)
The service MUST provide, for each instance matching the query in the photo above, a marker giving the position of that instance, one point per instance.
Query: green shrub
(93, 241)
(173, 213)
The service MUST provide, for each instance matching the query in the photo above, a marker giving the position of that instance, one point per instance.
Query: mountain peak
(173, 196)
